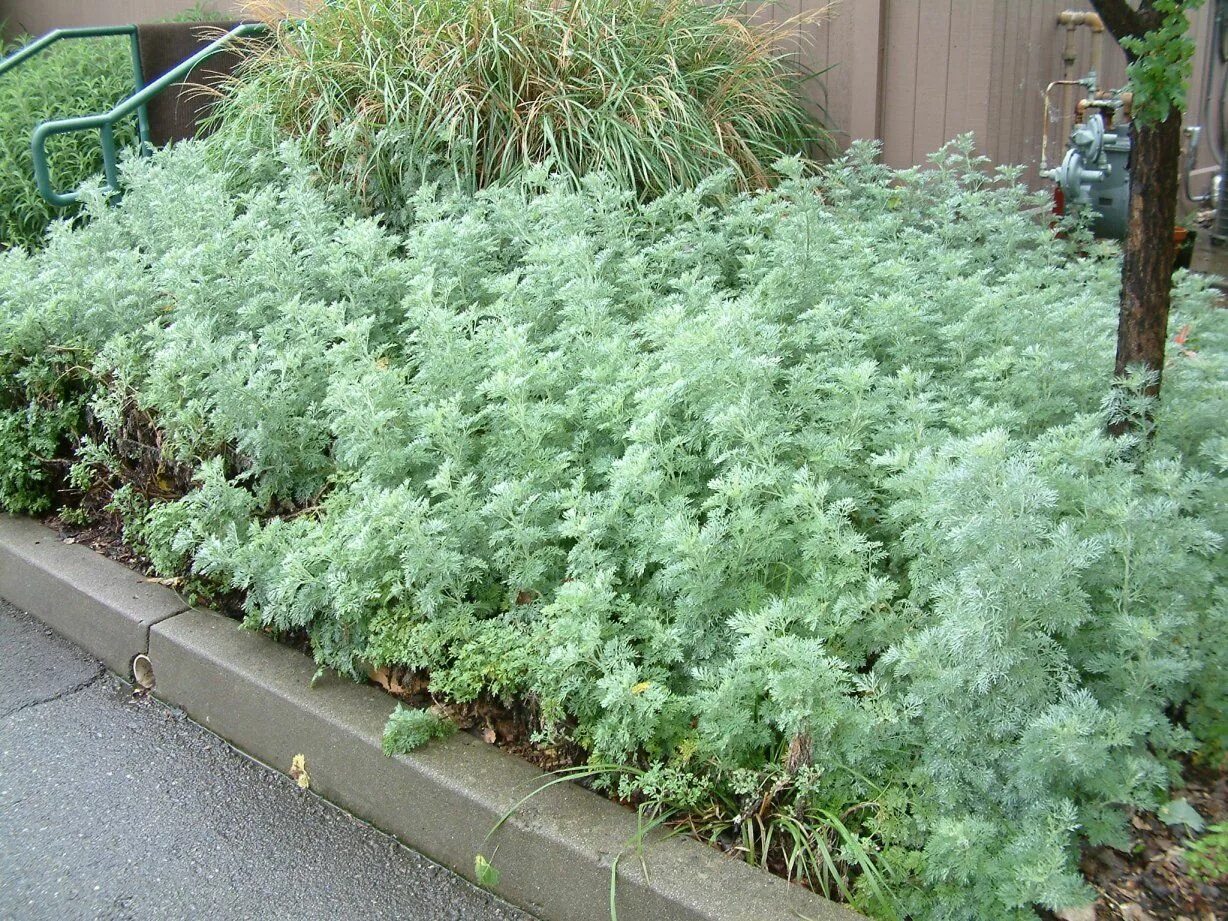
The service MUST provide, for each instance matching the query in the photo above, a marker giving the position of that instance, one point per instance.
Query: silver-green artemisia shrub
(800, 508)
(655, 93)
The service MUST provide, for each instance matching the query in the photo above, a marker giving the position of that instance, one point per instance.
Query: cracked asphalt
(118, 807)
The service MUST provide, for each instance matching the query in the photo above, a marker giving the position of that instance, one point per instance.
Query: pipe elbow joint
(1072, 19)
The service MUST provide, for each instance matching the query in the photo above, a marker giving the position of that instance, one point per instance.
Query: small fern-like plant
(409, 728)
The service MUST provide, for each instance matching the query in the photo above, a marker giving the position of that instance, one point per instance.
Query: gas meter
(1094, 175)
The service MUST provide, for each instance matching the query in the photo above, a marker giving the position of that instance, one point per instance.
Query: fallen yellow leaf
(298, 770)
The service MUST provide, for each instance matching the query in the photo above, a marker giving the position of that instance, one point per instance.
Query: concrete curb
(100, 605)
(554, 855)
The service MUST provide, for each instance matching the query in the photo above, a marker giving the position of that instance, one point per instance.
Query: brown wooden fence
(914, 73)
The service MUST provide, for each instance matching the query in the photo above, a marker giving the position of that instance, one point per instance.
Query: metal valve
(1075, 177)
(1093, 174)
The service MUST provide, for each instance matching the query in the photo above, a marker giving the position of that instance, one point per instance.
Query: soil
(102, 536)
(1150, 880)
(509, 728)
(1147, 882)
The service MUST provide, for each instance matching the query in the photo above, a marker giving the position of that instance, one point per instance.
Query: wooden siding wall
(914, 73)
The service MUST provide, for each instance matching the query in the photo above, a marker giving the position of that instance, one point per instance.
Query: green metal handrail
(26, 52)
(105, 122)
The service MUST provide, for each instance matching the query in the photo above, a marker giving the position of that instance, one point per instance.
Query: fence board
(933, 40)
(899, 99)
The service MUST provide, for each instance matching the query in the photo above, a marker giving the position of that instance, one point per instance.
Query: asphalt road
(120, 808)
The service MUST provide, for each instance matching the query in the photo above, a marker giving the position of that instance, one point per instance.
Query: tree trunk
(1155, 170)
(1150, 250)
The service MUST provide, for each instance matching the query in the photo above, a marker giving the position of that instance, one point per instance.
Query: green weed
(76, 77)
(1207, 857)
(408, 729)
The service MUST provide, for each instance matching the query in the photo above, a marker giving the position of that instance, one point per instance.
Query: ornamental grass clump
(657, 94)
(793, 511)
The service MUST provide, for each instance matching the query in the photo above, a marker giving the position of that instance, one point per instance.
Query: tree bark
(1122, 19)
(1149, 253)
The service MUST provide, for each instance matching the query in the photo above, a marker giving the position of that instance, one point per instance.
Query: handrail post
(138, 84)
(110, 164)
(42, 169)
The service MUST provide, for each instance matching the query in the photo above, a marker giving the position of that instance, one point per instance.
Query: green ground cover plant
(794, 512)
(1207, 857)
(78, 77)
(655, 93)
(408, 729)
